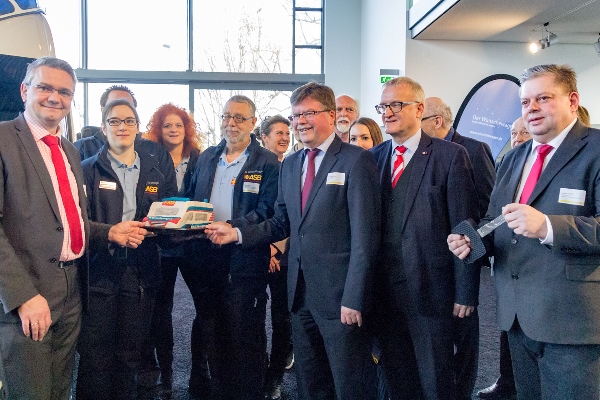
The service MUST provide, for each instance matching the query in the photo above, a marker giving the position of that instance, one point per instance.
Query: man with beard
(346, 112)
(228, 285)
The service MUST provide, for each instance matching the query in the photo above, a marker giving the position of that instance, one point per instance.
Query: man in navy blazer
(437, 122)
(424, 286)
(547, 255)
(42, 278)
(333, 246)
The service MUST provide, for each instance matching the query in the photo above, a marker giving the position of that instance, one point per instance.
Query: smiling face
(405, 123)
(235, 132)
(547, 108)
(361, 136)
(173, 131)
(313, 130)
(120, 138)
(278, 139)
(48, 109)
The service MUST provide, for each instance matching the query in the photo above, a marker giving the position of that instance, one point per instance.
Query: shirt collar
(450, 135)
(411, 143)
(326, 143)
(557, 141)
(223, 157)
(115, 163)
(37, 129)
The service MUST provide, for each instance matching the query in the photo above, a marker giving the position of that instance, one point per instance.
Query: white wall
(383, 46)
(342, 46)
(450, 69)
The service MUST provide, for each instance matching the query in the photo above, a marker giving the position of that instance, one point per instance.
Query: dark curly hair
(154, 127)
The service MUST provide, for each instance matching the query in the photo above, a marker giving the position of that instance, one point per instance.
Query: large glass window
(208, 104)
(66, 36)
(243, 36)
(137, 35)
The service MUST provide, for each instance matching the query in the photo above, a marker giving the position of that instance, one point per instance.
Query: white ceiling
(515, 21)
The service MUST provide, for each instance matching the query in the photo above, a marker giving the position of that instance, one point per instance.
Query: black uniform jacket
(105, 204)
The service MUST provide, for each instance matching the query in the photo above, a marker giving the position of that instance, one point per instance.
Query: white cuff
(549, 239)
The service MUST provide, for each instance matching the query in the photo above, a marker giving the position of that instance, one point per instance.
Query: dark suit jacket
(553, 290)
(335, 240)
(31, 232)
(440, 194)
(484, 173)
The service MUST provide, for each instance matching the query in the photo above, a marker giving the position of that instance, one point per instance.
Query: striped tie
(398, 165)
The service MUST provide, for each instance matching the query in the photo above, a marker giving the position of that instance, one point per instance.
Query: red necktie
(398, 165)
(310, 175)
(65, 193)
(536, 170)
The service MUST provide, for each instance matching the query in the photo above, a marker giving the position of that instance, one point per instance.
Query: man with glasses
(228, 284)
(329, 205)
(546, 254)
(346, 112)
(427, 189)
(437, 122)
(44, 235)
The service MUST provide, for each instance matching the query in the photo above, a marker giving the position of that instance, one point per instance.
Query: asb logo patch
(151, 189)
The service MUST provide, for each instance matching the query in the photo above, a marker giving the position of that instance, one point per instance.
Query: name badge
(108, 185)
(251, 187)
(336, 178)
(575, 197)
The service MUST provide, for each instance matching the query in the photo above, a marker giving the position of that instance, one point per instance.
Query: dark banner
(489, 110)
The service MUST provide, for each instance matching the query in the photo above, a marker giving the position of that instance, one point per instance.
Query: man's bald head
(437, 118)
(518, 133)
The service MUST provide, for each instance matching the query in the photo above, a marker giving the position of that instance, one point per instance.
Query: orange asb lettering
(168, 203)
(151, 189)
(254, 177)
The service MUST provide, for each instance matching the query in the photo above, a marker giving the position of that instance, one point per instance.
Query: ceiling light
(544, 42)
(534, 47)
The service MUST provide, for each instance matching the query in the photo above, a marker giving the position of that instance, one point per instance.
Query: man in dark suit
(328, 203)
(547, 254)
(437, 122)
(427, 188)
(43, 239)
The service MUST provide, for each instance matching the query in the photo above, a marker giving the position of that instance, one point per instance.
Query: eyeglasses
(117, 121)
(396, 106)
(237, 118)
(307, 114)
(48, 90)
(431, 116)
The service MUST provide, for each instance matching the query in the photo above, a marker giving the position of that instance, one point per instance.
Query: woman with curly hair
(175, 129)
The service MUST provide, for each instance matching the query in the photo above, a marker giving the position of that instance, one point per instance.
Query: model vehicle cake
(179, 213)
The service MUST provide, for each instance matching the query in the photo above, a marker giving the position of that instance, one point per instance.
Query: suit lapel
(566, 151)
(327, 163)
(297, 182)
(419, 162)
(26, 138)
(517, 170)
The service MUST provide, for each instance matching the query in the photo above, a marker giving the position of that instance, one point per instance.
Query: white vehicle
(24, 31)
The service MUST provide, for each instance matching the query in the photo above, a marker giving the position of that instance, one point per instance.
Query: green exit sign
(387, 74)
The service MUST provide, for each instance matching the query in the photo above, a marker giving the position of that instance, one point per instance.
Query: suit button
(515, 276)
(53, 260)
(59, 229)
(301, 236)
(514, 241)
